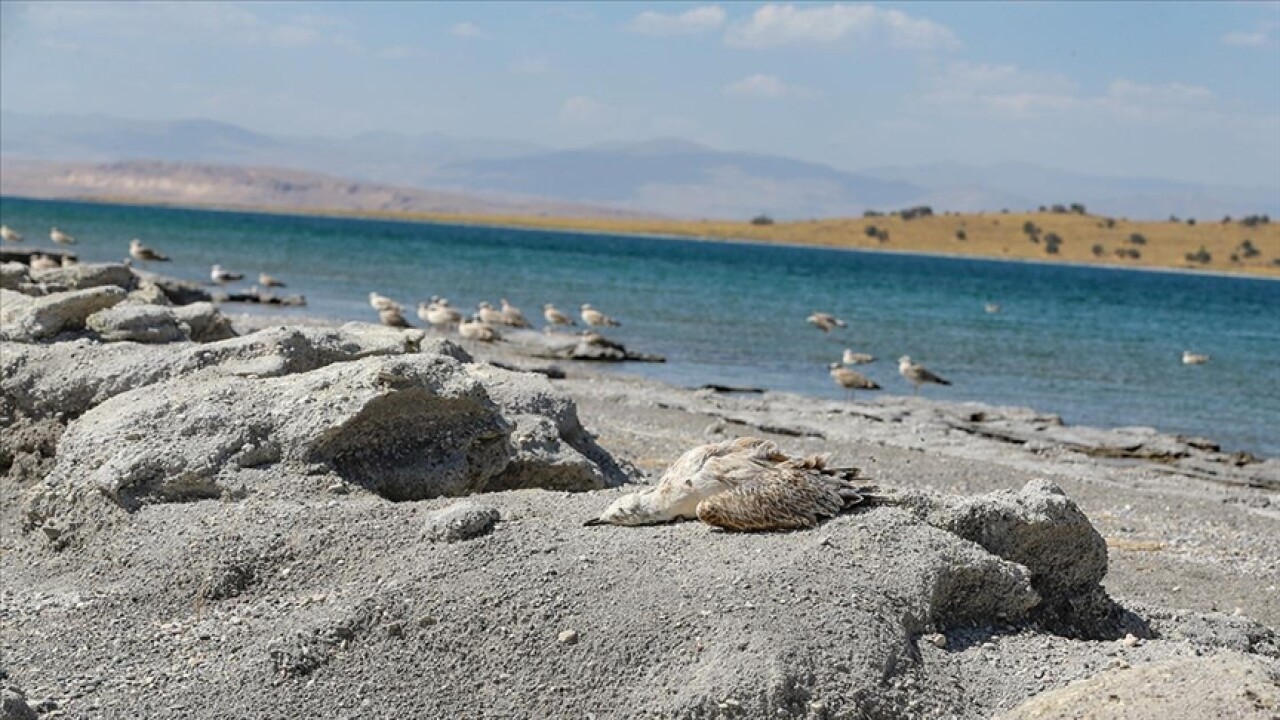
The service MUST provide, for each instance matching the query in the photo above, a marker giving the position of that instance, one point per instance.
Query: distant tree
(912, 213)
(871, 231)
(762, 219)
(871, 213)
(1111, 222)
(1042, 209)
(1226, 219)
(960, 234)
(1137, 239)
(1078, 208)
(1200, 256)
(1174, 219)
(1134, 254)
(1053, 238)
(1004, 211)
(1191, 221)
(1030, 228)
(1051, 249)
(1059, 209)
(1099, 250)
(1248, 250)
(1235, 258)
(1255, 220)
(883, 236)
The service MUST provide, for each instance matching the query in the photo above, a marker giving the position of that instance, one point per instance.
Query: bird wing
(776, 498)
(929, 377)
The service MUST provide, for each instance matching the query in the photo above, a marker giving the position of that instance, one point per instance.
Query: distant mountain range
(667, 177)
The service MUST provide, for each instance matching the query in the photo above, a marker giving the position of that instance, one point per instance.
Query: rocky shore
(214, 516)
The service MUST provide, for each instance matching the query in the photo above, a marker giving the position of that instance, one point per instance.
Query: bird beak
(594, 521)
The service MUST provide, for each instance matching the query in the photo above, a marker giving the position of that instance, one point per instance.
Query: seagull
(555, 317)
(222, 277)
(392, 317)
(853, 358)
(826, 322)
(595, 318)
(44, 262)
(742, 484)
(438, 315)
(512, 316)
(382, 302)
(138, 251)
(918, 374)
(61, 238)
(8, 234)
(1194, 358)
(489, 315)
(475, 329)
(851, 380)
(266, 280)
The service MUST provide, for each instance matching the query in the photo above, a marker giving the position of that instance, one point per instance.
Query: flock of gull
(850, 379)
(483, 325)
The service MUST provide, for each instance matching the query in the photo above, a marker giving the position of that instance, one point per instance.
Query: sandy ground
(310, 599)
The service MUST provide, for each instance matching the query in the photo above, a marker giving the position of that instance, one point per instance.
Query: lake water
(1099, 346)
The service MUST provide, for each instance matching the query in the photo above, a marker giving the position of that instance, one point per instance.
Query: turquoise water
(1098, 346)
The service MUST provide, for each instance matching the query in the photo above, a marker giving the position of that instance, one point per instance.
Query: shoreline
(510, 223)
(357, 506)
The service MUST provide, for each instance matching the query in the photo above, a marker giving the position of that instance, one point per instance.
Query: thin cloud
(764, 86)
(691, 22)
(529, 66)
(581, 110)
(466, 29)
(782, 25)
(1008, 90)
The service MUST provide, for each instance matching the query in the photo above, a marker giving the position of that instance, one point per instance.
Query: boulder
(406, 428)
(137, 323)
(13, 275)
(463, 520)
(1224, 685)
(204, 322)
(148, 293)
(13, 704)
(27, 319)
(38, 381)
(87, 275)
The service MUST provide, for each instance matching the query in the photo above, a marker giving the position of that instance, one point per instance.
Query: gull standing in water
(853, 358)
(61, 238)
(595, 318)
(826, 322)
(8, 234)
(851, 380)
(266, 280)
(742, 484)
(138, 251)
(555, 317)
(1194, 358)
(918, 374)
(223, 276)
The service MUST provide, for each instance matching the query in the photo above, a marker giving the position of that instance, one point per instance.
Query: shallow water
(1099, 346)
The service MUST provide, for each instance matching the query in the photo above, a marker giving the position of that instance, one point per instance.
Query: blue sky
(1187, 91)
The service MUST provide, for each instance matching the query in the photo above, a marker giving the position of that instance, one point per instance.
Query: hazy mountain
(666, 176)
(675, 177)
(255, 187)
